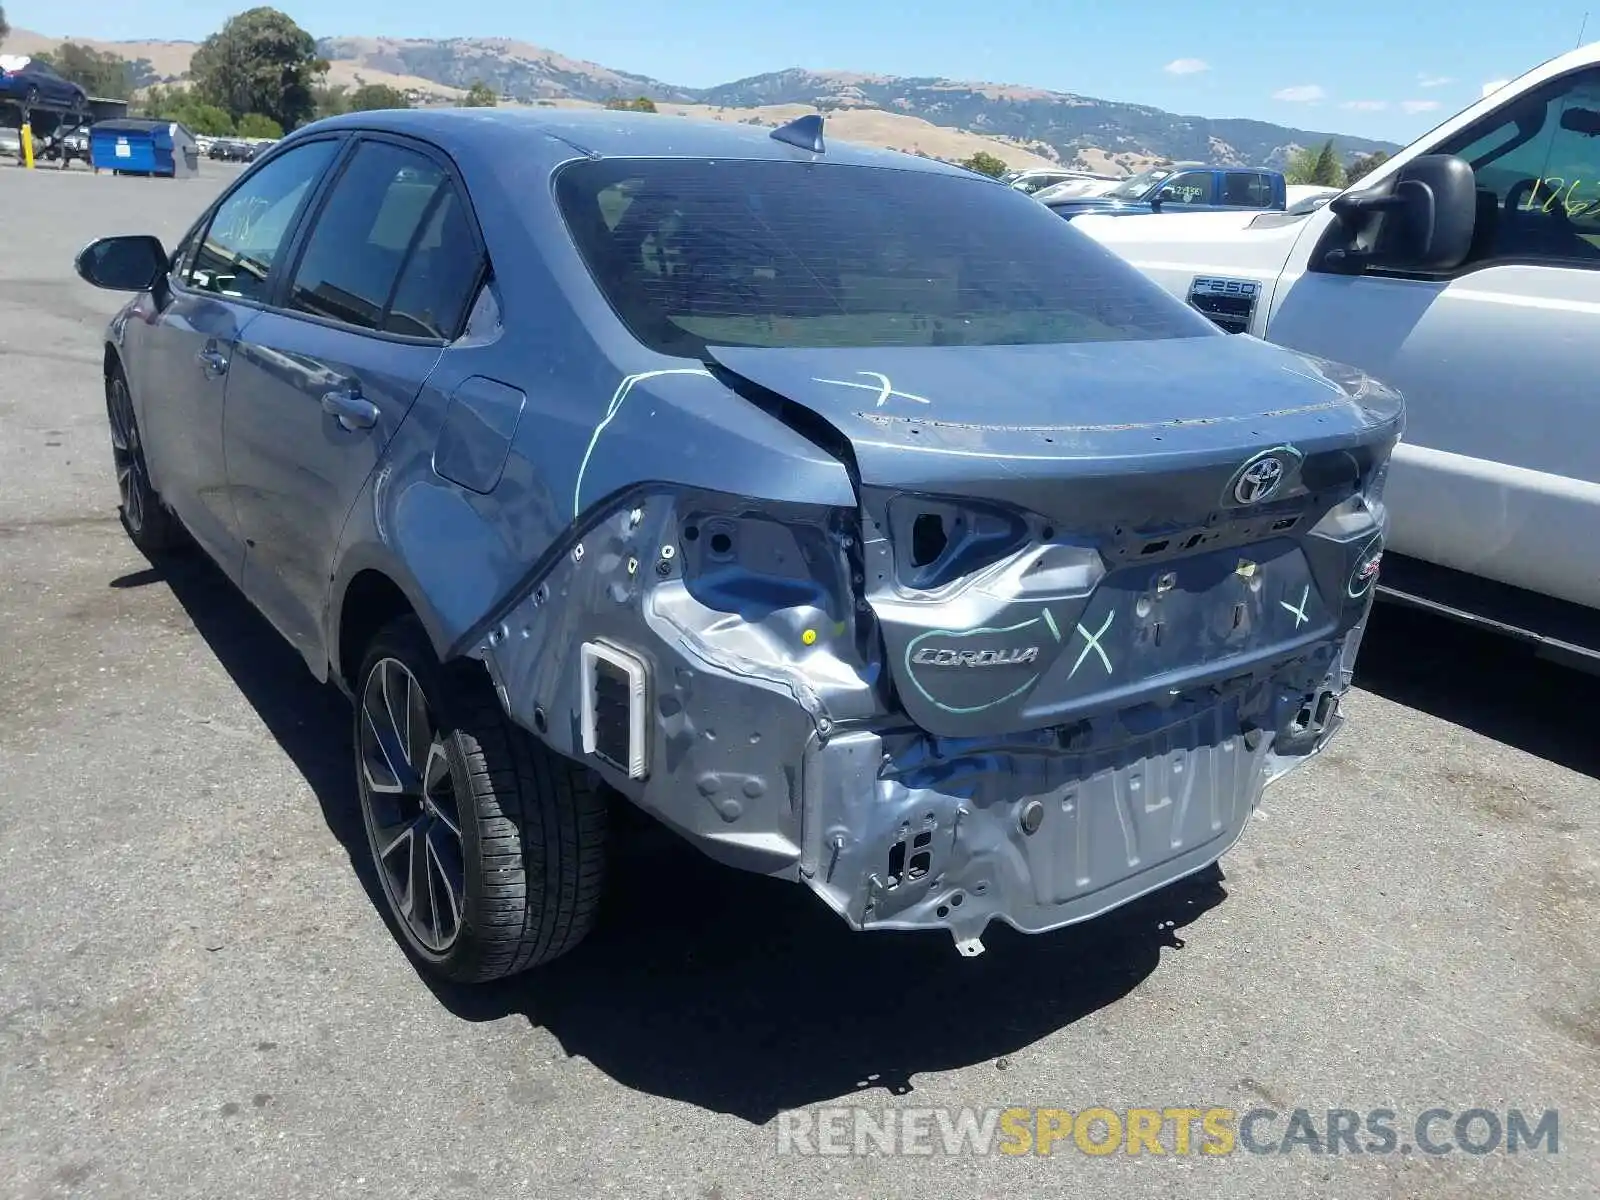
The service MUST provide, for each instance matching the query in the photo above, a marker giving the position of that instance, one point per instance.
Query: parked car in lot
(231, 150)
(34, 84)
(1465, 270)
(1032, 180)
(855, 517)
(67, 149)
(1184, 187)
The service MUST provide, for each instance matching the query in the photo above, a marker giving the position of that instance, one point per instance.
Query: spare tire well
(371, 602)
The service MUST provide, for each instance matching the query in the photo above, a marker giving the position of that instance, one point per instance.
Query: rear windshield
(745, 252)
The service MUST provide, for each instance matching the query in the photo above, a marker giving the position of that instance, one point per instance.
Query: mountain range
(1057, 125)
(944, 118)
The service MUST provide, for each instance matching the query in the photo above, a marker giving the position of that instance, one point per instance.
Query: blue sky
(1376, 68)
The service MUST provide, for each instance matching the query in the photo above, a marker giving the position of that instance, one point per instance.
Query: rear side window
(441, 277)
(251, 224)
(1247, 189)
(691, 252)
(387, 219)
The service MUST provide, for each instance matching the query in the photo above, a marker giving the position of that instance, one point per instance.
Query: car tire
(489, 848)
(150, 524)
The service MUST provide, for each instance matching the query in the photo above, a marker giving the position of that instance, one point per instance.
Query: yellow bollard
(27, 143)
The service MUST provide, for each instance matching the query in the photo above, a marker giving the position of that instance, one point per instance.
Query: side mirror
(130, 263)
(1420, 219)
(1162, 196)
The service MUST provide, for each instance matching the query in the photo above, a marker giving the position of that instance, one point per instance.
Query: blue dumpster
(139, 146)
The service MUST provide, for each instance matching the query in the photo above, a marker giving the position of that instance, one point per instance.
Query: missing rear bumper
(752, 711)
(909, 832)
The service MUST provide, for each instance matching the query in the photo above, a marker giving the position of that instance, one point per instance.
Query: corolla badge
(1261, 478)
(963, 670)
(1015, 656)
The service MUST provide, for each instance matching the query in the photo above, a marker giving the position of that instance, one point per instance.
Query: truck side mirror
(1419, 219)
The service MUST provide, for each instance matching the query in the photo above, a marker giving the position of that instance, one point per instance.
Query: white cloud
(1186, 66)
(1366, 105)
(1418, 106)
(1305, 93)
(1433, 81)
(1494, 85)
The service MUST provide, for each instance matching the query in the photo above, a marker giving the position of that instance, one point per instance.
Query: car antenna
(805, 132)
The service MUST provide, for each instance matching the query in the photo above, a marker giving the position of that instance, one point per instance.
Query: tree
(641, 104)
(1327, 172)
(371, 96)
(1365, 164)
(258, 125)
(985, 163)
(262, 63)
(1318, 167)
(99, 73)
(331, 100)
(480, 95)
(182, 105)
(4, 28)
(207, 119)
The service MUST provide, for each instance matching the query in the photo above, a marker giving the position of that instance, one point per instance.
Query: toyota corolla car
(852, 514)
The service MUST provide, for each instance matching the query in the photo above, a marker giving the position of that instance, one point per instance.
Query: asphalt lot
(198, 998)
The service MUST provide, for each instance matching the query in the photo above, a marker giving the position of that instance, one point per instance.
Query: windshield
(1136, 186)
(691, 253)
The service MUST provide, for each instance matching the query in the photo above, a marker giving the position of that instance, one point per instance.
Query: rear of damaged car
(919, 549)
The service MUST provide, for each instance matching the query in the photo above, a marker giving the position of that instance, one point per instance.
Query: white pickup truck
(1465, 271)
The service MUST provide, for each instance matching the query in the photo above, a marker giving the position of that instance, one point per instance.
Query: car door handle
(212, 361)
(353, 410)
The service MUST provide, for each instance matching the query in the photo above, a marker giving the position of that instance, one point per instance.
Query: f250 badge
(1205, 286)
(1015, 656)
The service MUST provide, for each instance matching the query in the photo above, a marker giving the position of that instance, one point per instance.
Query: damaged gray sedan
(849, 513)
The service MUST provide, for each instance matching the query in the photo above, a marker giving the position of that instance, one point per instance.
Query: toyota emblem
(1260, 480)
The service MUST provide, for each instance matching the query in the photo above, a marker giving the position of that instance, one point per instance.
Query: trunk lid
(1168, 421)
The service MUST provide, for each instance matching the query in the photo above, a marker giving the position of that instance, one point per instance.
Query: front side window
(251, 225)
(386, 201)
(691, 252)
(1189, 187)
(1536, 163)
(178, 261)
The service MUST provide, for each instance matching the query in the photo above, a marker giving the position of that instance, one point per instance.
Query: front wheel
(490, 848)
(150, 524)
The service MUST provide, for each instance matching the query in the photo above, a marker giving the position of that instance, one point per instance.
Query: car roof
(607, 133)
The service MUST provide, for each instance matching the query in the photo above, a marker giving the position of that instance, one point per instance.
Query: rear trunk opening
(1031, 569)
